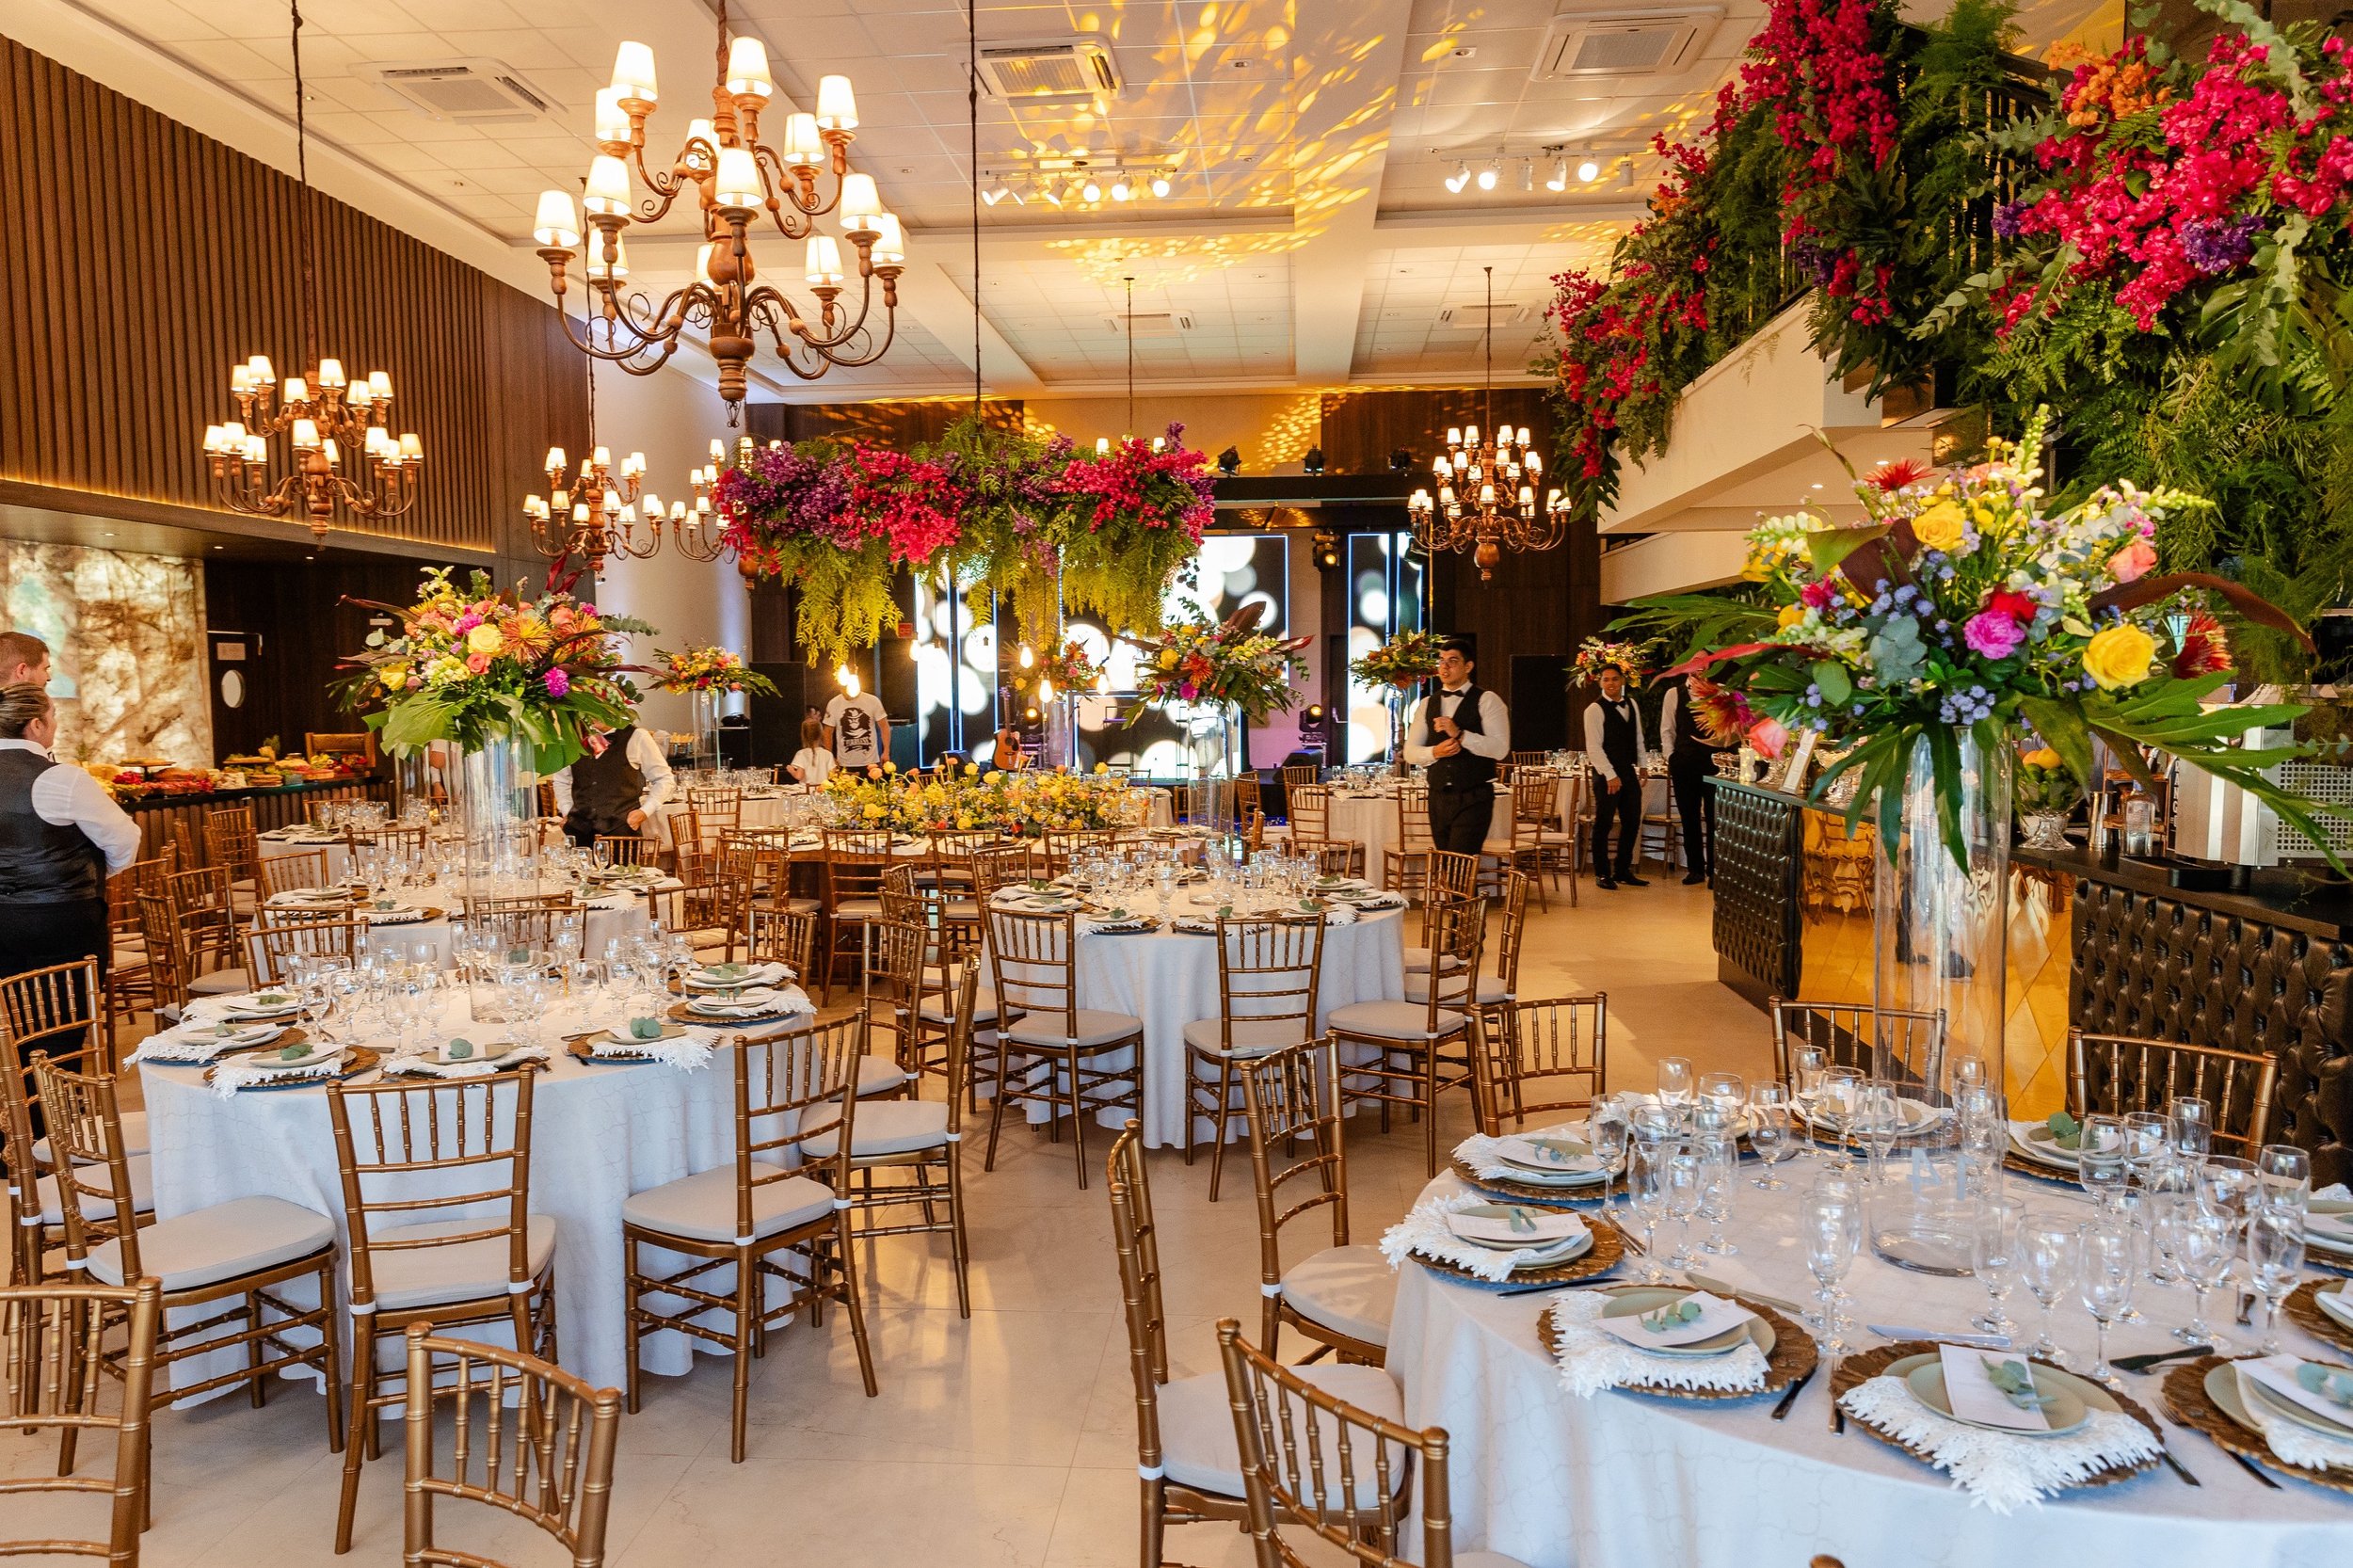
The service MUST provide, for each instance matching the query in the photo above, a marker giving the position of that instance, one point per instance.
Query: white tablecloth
(1169, 979)
(609, 916)
(1624, 1481)
(599, 1134)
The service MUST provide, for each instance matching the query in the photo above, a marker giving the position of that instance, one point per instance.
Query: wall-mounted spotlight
(1327, 549)
(1489, 175)
(1229, 462)
(1461, 177)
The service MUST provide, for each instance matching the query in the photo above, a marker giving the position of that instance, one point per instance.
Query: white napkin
(2002, 1470)
(1590, 1358)
(1715, 1315)
(1339, 913)
(753, 975)
(1969, 1389)
(1380, 901)
(2334, 1303)
(1484, 1156)
(2289, 1443)
(230, 1077)
(687, 1052)
(2334, 1193)
(428, 1065)
(1424, 1231)
(780, 998)
(1524, 1226)
(191, 1043)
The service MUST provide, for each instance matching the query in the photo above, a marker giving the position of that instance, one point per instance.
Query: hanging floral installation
(1007, 512)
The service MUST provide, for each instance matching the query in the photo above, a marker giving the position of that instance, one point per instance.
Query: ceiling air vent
(1473, 317)
(465, 92)
(1623, 43)
(1153, 324)
(1058, 72)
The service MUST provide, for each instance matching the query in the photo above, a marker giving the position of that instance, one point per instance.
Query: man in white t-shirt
(857, 731)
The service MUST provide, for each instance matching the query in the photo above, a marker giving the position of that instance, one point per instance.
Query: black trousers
(35, 936)
(1695, 803)
(1459, 819)
(1623, 805)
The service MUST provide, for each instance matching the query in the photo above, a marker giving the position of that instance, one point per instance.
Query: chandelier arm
(784, 195)
(644, 336)
(850, 328)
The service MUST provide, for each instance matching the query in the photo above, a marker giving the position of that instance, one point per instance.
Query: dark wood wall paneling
(144, 259)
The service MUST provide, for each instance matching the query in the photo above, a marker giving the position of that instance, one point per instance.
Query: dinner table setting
(1718, 1322)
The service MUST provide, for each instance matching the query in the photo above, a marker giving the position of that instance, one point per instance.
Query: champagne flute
(1719, 1174)
(1686, 1181)
(1994, 1258)
(2046, 1254)
(1771, 1132)
(1841, 1088)
(2275, 1257)
(1830, 1223)
(2109, 1263)
(1877, 1120)
(1605, 1133)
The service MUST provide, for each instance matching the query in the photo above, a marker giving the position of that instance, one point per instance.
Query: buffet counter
(2112, 949)
(166, 819)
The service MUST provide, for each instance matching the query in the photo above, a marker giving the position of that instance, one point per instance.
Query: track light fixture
(1527, 174)
(1090, 192)
(1559, 178)
(1589, 171)
(995, 191)
(1160, 185)
(1461, 177)
(1489, 175)
(1121, 189)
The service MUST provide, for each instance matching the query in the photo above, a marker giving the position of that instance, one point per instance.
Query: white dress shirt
(645, 755)
(1493, 740)
(65, 797)
(1599, 762)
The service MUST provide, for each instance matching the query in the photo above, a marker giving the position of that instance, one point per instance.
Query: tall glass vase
(494, 810)
(1212, 742)
(1941, 929)
(705, 728)
(1401, 708)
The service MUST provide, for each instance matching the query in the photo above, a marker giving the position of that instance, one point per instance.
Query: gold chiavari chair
(204, 908)
(775, 1197)
(1037, 959)
(130, 982)
(1342, 1470)
(1311, 826)
(905, 997)
(1493, 995)
(61, 1329)
(55, 1011)
(1559, 846)
(919, 1140)
(629, 849)
(269, 946)
(1332, 859)
(997, 867)
(169, 961)
(293, 872)
(715, 812)
(1421, 1048)
(524, 921)
(1852, 1034)
(48, 1013)
(437, 1204)
(404, 839)
(1268, 974)
(854, 865)
(526, 1437)
(1405, 861)
(1449, 876)
(1340, 1296)
(786, 937)
(2114, 1074)
(1539, 1057)
(1520, 847)
(221, 1265)
(230, 844)
(1060, 846)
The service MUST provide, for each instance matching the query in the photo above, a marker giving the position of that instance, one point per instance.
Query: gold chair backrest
(1511, 930)
(1331, 859)
(1535, 793)
(1035, 961)
(1136, 1240)
(716, 810)
(1061, 844)
(1852, 1034)
(1413, 821)
(1269, 971)
(855, 861)
(1342, 1474)
(629, 849)
(2113, 1074)
(999, 866)
(1454, 930)
(268, 945)
(786, 937)
(525, 1437)
(124, 887)
(528, 920)
(1290, 1096)
(1454, 875)
(473, 1136)
(901, 949)
(292, 871)
(93, 1165)
(788, 1088)
(57, 1329)
(170, 964)
(231, 842)
(50, 1012)
(1311, 811)
(1535, 1045)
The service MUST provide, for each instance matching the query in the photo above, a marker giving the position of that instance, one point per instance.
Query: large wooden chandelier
(345, 460)
(1486, 500)
(735, 178)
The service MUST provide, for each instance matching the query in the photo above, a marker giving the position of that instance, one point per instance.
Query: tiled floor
(1007, 1439)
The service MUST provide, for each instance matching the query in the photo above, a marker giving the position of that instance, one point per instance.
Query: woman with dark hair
(61, 836)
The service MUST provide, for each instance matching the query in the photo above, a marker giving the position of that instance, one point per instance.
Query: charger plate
(1603, 1255)
(357, 1060)
(1792, 1357)
(2303, 1311)
(1855, 1370)
(2190, 1404)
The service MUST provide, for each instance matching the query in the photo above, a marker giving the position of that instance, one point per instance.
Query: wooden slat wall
(145, 259)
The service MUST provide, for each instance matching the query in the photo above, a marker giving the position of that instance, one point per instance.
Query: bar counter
(2112, 949)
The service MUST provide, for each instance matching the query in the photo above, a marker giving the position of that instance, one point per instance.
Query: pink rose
(477, 662)
(2134, 561)
(1993, 634)
(1818, 594)
(1768, 736)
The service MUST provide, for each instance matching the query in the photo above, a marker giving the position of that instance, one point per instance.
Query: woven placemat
(1793, 1357)
(1856, 1370)
(1603, 1255)
(2304, 1312)
(2190, 1405)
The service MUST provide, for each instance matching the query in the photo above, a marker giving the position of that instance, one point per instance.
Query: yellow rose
(1168, 658)
(873, 812)
(394, 679)
(971, 770)
(2041, 757)
(485, 639)
(1102, 767)
(2120, 656)
(891, 767)
(1941, 526)
(993, 777)
(1791, 615)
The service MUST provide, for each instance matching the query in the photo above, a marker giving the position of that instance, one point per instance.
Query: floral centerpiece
(707, 669)
(1020, 805)
(1405, 660)
(1064, 671)
(1594, 653)
(477, 663)
(1965, 612)
(1226, 664)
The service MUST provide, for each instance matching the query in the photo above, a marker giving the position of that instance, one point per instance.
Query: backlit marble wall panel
(126, 635)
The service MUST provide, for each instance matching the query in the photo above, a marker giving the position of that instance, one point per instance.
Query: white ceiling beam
(1347, 57)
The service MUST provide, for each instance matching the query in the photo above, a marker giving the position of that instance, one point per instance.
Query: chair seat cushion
(943, 1011)
(1417, 961)
(221, 983)
(133, 1138)
(242, 1237)
(1394, 1020)
(1486, 1559)
(1490, 989)
(1251, 1036)
(1095, 1029)
(462, 1272)
(887, 1126)
(1197, 1429)
(879, 1075)
(98, 1211)
(857, 909)
(1348, 1288)
(702, 1207)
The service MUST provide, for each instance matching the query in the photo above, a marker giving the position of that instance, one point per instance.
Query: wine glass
(2146, 1142)
(1771, 1132)
(2101, 1163)
(1983, 1115)
(1675, 1090)
(1727, 1092)
(1686, 1181)
(2188, 1128)
(2275, 1257)
(1646, 1197)
(1877, 1120)
(1841, 1087)
(2200, 1240)
(1719, 1178)
(2286, 1174)
(1994, 1258)
(2046, 1255)
(1830, 1223)
(2226, 1185)
(2109, 1266)
(1969, 1072)
(1606, 1132)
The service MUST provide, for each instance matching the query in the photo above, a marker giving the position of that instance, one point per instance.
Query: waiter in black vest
(1614, 751)
(1690, 758)
(614, 788)
(61, 836)
(1460, 733)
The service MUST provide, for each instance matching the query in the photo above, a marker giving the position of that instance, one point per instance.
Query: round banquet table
(1630, 1481)
(1372, 820)
(599, 1134)
(1169, 979)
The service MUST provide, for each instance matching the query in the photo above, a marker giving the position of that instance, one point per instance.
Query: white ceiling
(1308, 236)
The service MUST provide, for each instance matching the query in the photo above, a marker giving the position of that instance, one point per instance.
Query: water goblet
(2226, 1186)
(1675, 1091)
(2199, 1242)
(1841, 1087)
(2275, 1258)
(2188, 1128)
(1994, 1258)
(1771, 1132)
(1686, 1181)
(1877, 1120)
(1727, 1092)
(1830, 1224)
(2046, 1255)
(2100, 1157)
(2145, 1144)
(1969, 1072)
(2106, 1259)
(2286, 1178)
(1719, 1175)
(1606, 1132)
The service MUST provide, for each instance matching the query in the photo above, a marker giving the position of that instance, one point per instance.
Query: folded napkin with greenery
(1425, 1232)
(2311, 1387)
(687, 1051)
(229, 1076)
(1542, 1148)
(1588, 1358)
(202, 1042)
(2001, 1470)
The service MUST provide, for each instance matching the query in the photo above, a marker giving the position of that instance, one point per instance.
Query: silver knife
(1975, 1341)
